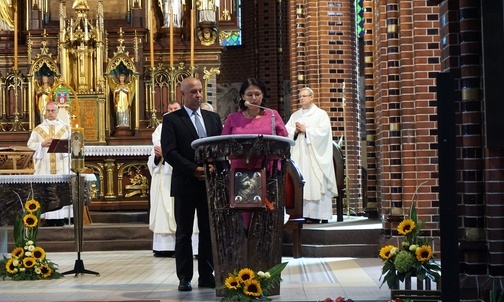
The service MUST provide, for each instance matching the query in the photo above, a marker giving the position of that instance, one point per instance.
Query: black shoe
(184, 286)
(324, 221)
(163, 253)
(207, 283)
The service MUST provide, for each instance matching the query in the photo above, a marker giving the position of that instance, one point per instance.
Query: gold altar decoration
(82, 48)
(121, 73)
(16, 160)
(66, 53)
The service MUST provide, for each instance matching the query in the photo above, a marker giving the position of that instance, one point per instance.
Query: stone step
(335, 239)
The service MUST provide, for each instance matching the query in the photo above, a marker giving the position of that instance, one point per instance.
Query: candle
(128, 4)
(171, 37)
(15, 38)
(151, 38)
(77, 149)
(192, 37)
(71, 29)
(86, 34)
(97, 30)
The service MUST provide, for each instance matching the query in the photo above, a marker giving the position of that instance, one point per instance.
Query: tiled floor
(137, 275)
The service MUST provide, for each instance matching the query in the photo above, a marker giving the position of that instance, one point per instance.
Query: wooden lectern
(237, 194)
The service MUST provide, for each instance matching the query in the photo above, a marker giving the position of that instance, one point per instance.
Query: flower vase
(423, 290)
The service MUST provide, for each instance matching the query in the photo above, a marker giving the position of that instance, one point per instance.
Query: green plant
(413, 258)
(496, 293)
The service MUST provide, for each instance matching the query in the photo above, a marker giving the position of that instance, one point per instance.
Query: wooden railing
(425, 291)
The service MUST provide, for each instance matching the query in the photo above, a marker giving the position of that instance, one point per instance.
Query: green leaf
(19, 232)
(277, 269)
(412, 213)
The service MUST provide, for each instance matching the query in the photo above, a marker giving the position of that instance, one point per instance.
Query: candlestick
(151, 38)
(15, 38)
(171, 37)
(192, 37)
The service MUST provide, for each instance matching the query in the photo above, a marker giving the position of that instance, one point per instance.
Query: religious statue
(176, 7)
(123, 96)
(6, 15)
(207, 11)
(80, 4)
(43, 95)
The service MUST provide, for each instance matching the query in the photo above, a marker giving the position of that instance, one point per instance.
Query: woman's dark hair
(246, 84)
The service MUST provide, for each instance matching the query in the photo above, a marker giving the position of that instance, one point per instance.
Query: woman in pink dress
(251, 119)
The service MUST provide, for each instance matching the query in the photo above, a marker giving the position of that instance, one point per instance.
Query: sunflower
(38, 253)
(30, 220)
(252, 288)
(424, 253)
(46, 271)
(406, 226)
(245, 274)
(18, 252)
(385, 252)
(232, 282)
(10, 267)
(32, 205)
(29, 262)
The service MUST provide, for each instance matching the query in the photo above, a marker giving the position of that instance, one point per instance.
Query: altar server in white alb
(51, 163)
(162, 213)
(310, 128)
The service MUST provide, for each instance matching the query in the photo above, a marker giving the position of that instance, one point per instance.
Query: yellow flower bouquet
(413, 258)
(28, 261)
(247, 285)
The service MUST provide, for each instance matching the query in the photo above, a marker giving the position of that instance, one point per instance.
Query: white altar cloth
(134, 150)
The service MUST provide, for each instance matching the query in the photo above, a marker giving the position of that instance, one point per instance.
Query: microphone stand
(273, 123)
(273, 128)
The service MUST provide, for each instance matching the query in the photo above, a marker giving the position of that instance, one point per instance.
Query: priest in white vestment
(51, 163)
(310, 128)
(162, 207)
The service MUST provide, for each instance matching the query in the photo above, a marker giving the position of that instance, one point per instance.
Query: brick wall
(262, 54)
(401, 62)
(323, 57)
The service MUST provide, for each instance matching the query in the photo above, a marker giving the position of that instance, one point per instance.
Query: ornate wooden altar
(236, 244)
(122, 177)
(70, 46)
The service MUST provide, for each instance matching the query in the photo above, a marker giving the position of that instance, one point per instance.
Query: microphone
(273, 132)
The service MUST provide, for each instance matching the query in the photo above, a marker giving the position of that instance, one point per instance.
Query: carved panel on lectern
(247, 188)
